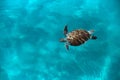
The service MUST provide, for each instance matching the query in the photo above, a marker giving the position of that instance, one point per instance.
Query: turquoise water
(29, 40)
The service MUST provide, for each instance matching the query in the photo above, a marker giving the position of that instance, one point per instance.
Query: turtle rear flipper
(65, 30)
(94, 37)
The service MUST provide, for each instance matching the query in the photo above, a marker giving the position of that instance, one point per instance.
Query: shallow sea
(29, 40)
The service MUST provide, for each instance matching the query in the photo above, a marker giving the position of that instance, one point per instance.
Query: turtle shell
(77, 37)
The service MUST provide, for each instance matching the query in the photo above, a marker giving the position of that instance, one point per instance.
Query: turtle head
(62, 40)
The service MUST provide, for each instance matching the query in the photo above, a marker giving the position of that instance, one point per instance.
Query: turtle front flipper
(67, 46)
(65, 30)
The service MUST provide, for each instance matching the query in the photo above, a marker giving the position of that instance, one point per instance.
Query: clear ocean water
(29, 40)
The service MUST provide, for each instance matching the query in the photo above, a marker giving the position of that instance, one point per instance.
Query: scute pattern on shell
(77, 37)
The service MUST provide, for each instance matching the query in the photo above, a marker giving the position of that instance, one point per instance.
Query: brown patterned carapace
(76, 37)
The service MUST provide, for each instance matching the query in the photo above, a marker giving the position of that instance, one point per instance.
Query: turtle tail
(91, 32)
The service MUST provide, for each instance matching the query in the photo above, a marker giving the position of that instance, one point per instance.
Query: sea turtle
(76, 37)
